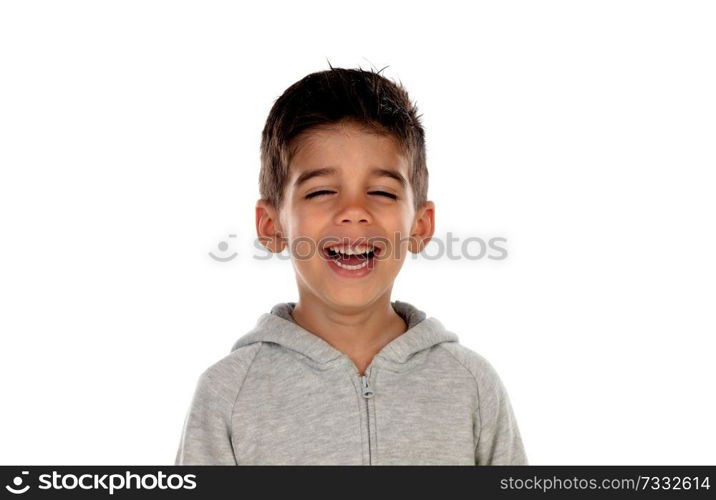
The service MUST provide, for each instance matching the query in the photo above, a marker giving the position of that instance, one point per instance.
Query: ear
(268, 227)
(423, 227)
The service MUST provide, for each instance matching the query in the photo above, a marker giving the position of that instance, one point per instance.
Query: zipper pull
(367, 391)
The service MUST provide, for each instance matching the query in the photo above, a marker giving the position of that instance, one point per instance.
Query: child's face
(356, 203)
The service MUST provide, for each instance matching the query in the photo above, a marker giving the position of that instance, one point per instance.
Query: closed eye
(390, 195)
(318, 193)
(324, 191)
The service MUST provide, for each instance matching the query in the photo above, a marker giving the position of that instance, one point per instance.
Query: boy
(344, 376)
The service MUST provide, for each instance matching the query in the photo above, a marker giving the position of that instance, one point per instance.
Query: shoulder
(224, 378)
(498, 437)
(475, 363)
(484, 373)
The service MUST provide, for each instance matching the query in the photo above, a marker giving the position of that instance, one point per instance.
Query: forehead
(346, 147)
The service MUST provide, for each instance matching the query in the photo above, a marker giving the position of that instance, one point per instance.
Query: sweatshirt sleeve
(499, 441)
(206, 434)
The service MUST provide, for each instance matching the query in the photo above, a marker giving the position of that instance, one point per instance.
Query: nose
(353, 210)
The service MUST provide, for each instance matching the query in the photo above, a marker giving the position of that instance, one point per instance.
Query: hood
(279, 327)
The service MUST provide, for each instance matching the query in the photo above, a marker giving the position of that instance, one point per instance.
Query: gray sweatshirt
(284, 396)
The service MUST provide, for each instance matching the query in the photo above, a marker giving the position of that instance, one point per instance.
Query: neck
(359, 333)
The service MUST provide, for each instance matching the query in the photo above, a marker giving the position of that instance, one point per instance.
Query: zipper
(367, 394)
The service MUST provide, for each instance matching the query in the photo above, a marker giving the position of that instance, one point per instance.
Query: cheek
(303, 231)
(402, 223)
(303, 221)
(399, 234)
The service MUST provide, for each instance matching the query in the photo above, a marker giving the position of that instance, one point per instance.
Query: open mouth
(352, 260)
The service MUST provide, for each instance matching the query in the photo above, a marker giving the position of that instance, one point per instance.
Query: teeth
(357, 250)
(351, 268)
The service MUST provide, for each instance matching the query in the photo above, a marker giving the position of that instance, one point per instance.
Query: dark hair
(334, 96)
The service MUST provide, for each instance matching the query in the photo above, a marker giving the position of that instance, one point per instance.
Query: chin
(349, 298)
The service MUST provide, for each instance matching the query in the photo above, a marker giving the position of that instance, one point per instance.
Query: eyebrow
(316, 172)
(326, 171)
(393, 174)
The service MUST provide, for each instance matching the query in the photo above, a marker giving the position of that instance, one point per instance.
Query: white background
(583, 132)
